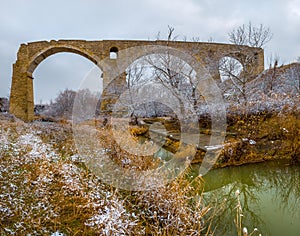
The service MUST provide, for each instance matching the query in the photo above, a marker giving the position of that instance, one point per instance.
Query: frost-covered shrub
(175, 209)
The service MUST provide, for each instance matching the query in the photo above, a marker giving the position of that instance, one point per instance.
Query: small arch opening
(229, 68)
(113, 53)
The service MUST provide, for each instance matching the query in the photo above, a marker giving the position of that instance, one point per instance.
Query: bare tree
(230, 73)
(86, 105)
(251, 35)
(271, 76)
(135, 78)
(63, 104)
(171, 31)
(175, 74)
(141, 81)
(62, 107)
(163, 73)
(239, 72)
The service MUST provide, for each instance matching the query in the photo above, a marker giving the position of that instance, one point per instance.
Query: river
(269, 197)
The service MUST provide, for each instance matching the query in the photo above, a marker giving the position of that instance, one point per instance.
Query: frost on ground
(42, 191)
(45, 189)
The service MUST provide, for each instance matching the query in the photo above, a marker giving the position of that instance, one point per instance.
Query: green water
(269, 196)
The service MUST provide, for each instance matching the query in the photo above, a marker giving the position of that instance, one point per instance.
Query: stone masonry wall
(32, 54)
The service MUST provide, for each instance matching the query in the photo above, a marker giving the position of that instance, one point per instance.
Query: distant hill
(273, 90)
(279, 81)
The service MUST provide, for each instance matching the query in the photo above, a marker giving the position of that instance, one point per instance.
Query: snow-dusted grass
(41, 192)
(175, 209)
(46, 190)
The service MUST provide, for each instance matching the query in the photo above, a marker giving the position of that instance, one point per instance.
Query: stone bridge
(30, 55)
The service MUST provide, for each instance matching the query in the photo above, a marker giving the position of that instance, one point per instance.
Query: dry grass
(175, 209)
(241, 230)
(45, 188)
(138, 130)
(266, 136)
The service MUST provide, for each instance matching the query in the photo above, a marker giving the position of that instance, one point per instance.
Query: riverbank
(262, 137)
(250, 138)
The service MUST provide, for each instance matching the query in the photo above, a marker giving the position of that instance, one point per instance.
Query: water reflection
(269, 195)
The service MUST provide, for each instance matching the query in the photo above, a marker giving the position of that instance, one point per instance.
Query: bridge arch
(40, 56)
(32, 54)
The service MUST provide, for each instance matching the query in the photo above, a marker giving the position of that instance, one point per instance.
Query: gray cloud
(32, 20)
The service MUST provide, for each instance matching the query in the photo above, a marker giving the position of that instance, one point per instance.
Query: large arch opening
(57, 77)
(162, 73)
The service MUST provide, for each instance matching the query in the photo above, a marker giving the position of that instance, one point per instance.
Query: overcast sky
(34, 20)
